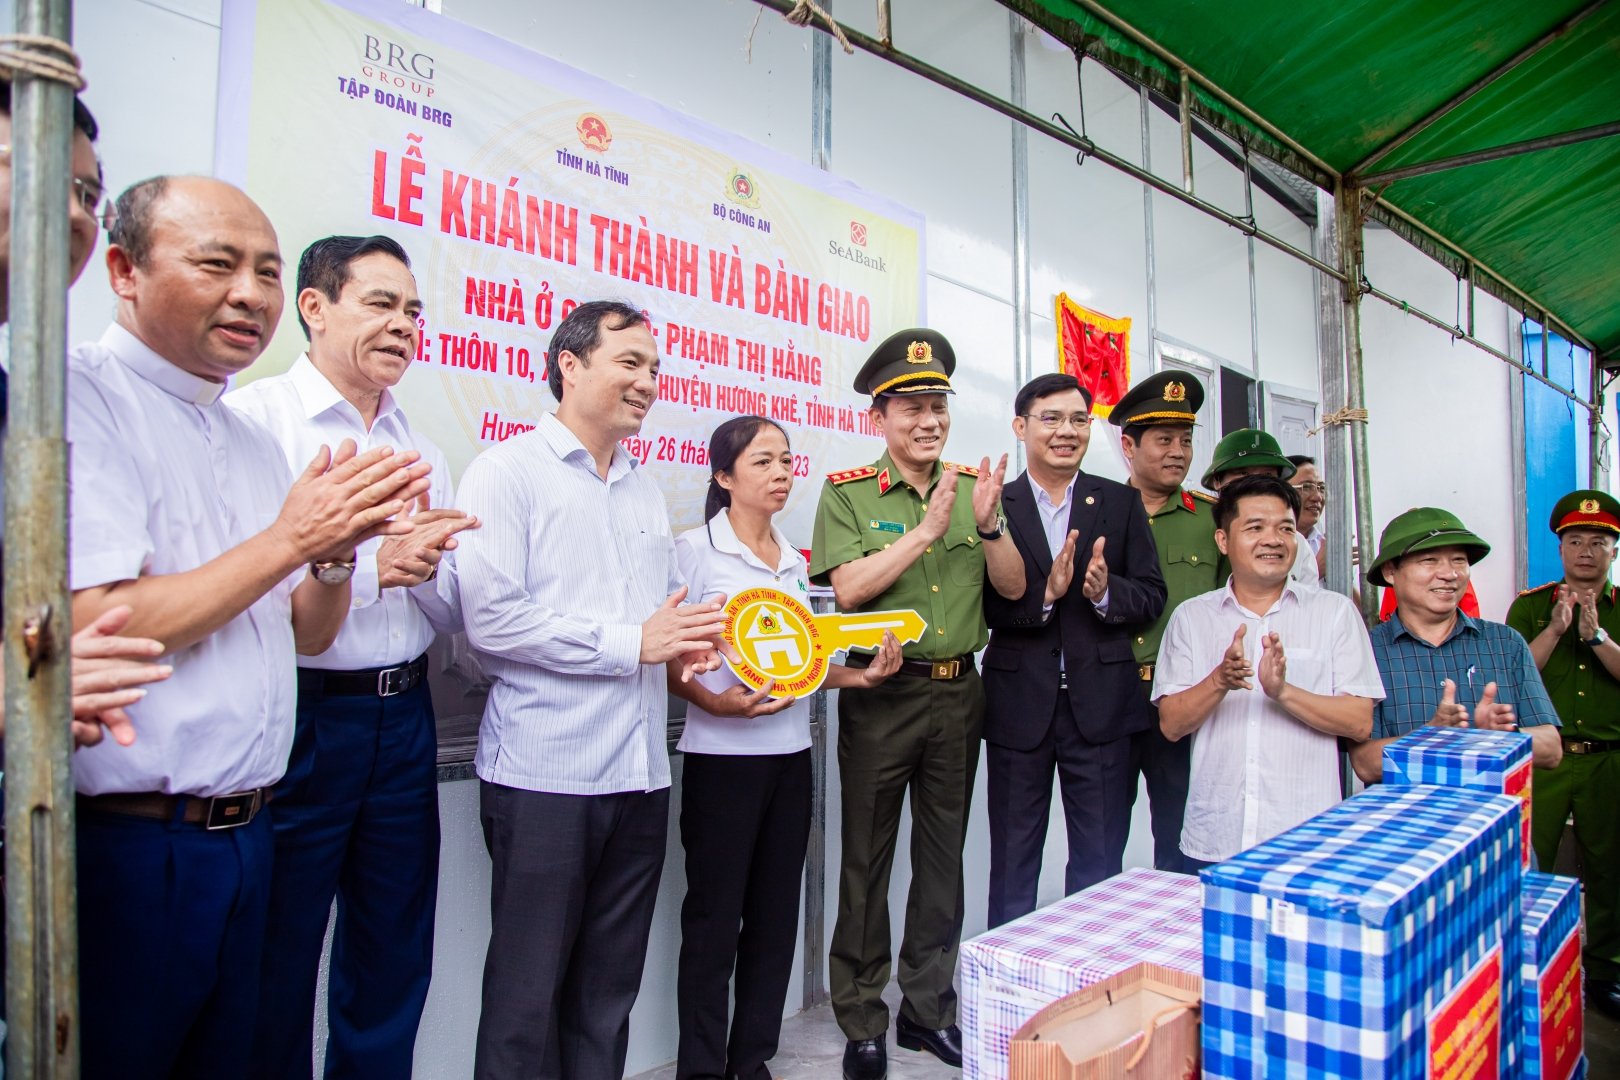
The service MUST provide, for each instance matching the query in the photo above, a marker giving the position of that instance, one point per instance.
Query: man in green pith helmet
(1571, 627)
(909, 531)
(1156, 419)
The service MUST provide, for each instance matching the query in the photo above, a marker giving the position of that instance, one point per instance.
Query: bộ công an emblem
(919, 352)
(1589, 506)
(741, 189)
(594, 134)
(1175, 391)
(776, 638)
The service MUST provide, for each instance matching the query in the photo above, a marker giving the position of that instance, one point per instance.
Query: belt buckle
(946, 669)
(1578, 747)
(1144, 672)
(391, 682)
(231, 811)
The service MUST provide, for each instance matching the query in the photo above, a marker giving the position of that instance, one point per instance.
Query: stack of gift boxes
(1399, 934)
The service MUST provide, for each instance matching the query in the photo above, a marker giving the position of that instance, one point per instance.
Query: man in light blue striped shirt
(573, 601)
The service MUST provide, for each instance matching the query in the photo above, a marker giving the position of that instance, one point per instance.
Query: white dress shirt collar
(136, 355)
(567, 446)
(725, 539)
(1291, 589)
(317, 393)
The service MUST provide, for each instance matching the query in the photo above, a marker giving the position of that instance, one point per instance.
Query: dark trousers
(918, 735)
(1166, 765)
(357, 817)
(1097, 784)
(745, 821)
(574, 883)
(171, 928)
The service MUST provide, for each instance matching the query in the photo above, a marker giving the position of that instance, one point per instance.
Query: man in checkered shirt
(1440, 665)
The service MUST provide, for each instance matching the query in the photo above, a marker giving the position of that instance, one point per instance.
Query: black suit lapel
(1018, 502)
(1085, 517)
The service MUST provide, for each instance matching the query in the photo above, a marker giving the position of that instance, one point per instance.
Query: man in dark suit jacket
(1061, 685)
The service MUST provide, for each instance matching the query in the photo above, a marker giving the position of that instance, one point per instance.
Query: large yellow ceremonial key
(777, 638)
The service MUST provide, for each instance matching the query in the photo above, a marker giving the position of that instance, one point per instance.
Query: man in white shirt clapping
(357, 815)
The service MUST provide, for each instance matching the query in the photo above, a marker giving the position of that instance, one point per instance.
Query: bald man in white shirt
(357, 815)
(181, 509)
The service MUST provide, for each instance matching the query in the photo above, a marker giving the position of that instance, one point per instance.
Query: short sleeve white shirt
(1256, 770)
(304, 411)
(716, 563)
(165, 479)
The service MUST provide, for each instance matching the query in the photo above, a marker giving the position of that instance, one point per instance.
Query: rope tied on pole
(38, 56)
(1346, 415)
(806, 10)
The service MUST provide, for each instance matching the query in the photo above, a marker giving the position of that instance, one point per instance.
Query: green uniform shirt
(1184, 531)
(1586, 696)
(865, 510)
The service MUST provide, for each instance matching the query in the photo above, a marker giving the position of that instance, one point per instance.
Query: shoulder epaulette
(844, 476)
(963, 470)
(1204, 496)
(1540, 588)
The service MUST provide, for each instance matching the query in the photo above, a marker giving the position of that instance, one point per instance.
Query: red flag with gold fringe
(1095, 349)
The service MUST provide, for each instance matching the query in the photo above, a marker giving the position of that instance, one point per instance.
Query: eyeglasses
(1310, 487)
(89, 194)
(1052, 421)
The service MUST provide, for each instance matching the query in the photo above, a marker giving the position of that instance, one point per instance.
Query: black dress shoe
(1604, 996)
(945, 1044)
(866, 1059)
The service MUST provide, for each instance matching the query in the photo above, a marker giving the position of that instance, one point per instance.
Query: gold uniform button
(1193, 559)
(1580, 693)
(1140, 640)
(885, 547)
(1581, 666)
(941, 630)
(934, 587)
(925, 506)
(929, 550)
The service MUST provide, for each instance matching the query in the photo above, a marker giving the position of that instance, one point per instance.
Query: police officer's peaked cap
(1168, 397)
(1243, 448)
(915, 361)
(1423, 528)
(1586, 509)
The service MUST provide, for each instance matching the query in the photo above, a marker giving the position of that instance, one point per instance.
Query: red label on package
(1518, 783)
(1465, 1030)
(1559, 988)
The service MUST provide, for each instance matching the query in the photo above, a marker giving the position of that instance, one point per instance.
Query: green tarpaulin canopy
(1343, 80)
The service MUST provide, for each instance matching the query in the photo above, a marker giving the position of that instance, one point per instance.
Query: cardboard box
(1102, 1032)
(1378, 940)
(1551, 1000)
(1494, 761)
(1012, 972)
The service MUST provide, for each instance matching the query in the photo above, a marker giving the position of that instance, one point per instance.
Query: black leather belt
(954, 668)
(376, 682)
(1590, 746)
(211, 812)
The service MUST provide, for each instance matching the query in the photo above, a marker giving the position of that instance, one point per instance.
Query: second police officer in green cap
(1156, 419)
(1571, 626)
(1439, 664)
(909, 531)
(1252, 452)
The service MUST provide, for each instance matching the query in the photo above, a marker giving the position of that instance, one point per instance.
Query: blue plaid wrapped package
(1550, 982)
(1014, 971)
(1495, 761)
(1379, 939)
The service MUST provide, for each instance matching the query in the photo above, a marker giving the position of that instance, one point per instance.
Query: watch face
(335, 574)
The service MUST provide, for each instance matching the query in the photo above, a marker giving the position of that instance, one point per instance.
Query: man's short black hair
(1226, 507)
(82, 119)
(324, 265)
(131, 227)
(1296, 460)
(581, 332)
(1055, 382)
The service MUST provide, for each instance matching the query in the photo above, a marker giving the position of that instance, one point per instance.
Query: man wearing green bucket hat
(1252, 452)
(1571, 626)
(1439, 665)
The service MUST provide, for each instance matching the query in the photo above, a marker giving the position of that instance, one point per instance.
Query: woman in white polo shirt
(745, 801)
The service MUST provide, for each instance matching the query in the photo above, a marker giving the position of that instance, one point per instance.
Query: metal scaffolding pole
(1352, 254)
(41, 912)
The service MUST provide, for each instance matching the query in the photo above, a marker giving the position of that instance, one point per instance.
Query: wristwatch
(1598, 638)
(1000, 531)
(335, 572)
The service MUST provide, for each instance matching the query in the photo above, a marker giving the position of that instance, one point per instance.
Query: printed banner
(521, 187)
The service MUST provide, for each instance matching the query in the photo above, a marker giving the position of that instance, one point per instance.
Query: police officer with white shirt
(357, 813)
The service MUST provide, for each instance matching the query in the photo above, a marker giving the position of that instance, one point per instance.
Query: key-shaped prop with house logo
(776, 637)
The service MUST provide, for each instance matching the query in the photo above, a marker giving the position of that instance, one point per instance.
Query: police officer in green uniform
(1156, 419)
(1571, 626)
(909, 531)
